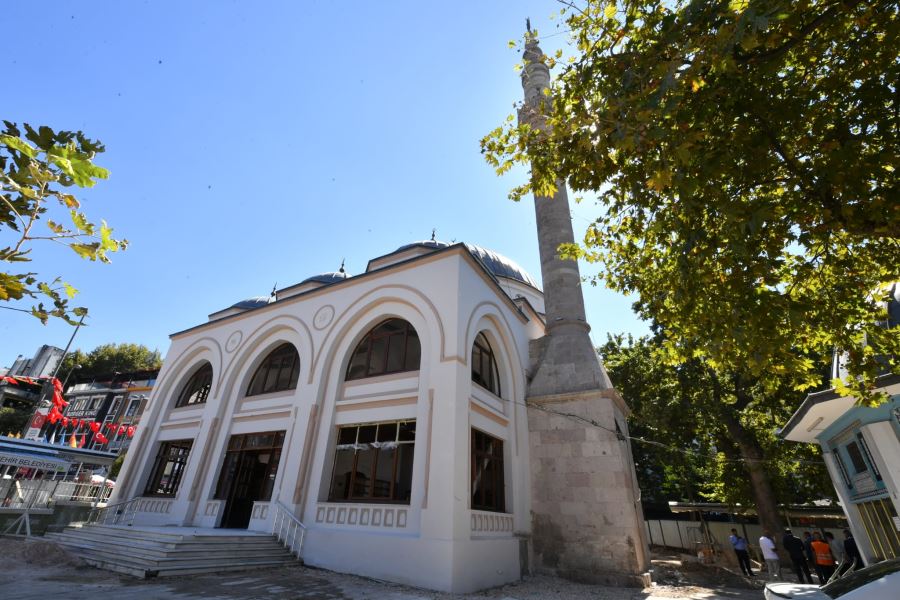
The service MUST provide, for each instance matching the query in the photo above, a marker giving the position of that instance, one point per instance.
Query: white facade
(435, 539)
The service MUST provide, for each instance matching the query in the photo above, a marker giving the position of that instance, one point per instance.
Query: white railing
(71, 491)
(120, 513)
(288, 529)
(43, 493)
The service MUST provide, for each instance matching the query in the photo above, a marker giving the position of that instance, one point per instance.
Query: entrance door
(248, 475)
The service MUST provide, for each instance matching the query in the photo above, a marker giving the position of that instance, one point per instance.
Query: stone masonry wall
(586, 524)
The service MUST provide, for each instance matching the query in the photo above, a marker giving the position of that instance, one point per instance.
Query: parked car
(880, 581)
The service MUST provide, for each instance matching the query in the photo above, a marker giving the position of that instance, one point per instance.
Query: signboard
(37, 421)
(33, 461)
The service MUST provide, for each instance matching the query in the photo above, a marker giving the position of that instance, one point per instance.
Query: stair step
(125, 532)
(193, 545)
(149, 553)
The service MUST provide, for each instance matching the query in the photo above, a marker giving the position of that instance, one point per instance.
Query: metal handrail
(288, 529)
(105, 516)
(842, 570)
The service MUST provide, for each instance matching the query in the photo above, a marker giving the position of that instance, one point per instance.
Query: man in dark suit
(851, 551)
(795, 549)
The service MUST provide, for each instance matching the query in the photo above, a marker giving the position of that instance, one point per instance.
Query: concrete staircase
(164, 551)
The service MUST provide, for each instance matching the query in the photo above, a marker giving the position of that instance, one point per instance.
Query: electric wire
(641, 440)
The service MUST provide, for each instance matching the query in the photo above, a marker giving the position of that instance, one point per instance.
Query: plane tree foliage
(108, 359)
(744, 156)
(704, 434)
(39, 169)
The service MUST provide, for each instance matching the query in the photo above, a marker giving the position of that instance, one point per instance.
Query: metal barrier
(43, 493)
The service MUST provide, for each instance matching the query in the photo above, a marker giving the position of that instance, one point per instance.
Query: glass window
(390, 347)
(373, 463)
(197, 389)
(278, 372)
(487, 473)
(856, 457)
(484, 365)
(168, 468)
(133, 407)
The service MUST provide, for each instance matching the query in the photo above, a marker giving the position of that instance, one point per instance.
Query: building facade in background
(116, 403)
(861, 447)
(24, 395)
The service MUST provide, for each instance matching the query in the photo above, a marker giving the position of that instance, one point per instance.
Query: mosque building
(437, 420)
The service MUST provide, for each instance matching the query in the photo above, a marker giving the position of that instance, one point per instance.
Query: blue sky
(255, 143)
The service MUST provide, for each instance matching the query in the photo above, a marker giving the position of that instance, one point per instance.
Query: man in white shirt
(773, 563)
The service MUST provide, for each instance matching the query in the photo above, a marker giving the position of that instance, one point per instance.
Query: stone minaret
(587, 522)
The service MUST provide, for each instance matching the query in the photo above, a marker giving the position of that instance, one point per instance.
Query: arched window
(197, 388)
(390, 347)
(484, 365)
(278, 372)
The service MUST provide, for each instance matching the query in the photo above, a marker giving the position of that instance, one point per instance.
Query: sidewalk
(41, 570)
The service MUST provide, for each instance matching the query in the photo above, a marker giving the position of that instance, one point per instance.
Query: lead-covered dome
(326, 278)
(254, 302)
(495, 262)
(502, 266)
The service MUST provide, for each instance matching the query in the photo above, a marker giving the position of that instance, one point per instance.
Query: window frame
(395, 484)
(495, 458)
(867, 456)
(196, 386)
(176, 453)
(371, 340)
(275, 362)
(848, 481)
(486, 357)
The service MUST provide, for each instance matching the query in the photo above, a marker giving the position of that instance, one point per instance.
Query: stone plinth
(586, 517)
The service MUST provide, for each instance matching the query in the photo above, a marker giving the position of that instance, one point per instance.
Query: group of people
(824, 552)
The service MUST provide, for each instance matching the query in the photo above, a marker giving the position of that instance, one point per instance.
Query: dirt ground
(37, 570)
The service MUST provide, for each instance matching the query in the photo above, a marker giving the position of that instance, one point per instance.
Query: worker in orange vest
(824, 558)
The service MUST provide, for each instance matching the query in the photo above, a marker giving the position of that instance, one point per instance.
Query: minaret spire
(568, 354)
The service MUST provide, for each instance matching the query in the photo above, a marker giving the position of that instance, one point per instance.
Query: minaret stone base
(587, 522)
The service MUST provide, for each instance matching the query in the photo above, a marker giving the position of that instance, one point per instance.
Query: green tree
(708, 433)
(13, 420)
(107, 359)
(117, 466)
(37, 171)
(745, 157)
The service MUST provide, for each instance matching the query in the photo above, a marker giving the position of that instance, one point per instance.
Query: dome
(254, 302)
(435, 244)
(501, 266)
(326, 278)
(496, 263)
